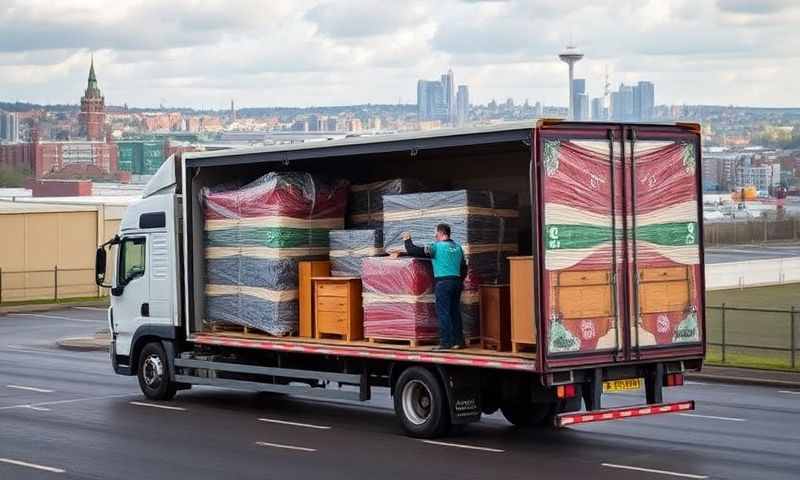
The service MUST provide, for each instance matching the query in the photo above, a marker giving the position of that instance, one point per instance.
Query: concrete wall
(753, 273)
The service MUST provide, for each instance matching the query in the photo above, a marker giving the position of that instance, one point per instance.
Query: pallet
(219, 327)
(411, 342)
(518, 347)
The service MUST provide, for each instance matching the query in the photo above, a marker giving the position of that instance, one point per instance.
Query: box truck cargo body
(606, 276)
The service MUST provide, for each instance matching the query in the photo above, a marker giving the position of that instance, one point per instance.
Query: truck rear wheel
(153, 373)
(421, 404)
(528, 414)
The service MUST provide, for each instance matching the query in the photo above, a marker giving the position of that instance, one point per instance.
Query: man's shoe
(442, 347)
(457, 346)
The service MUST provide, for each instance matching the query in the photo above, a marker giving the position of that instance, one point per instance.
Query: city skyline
(359, 52)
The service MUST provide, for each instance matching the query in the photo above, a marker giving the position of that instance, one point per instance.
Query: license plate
(622, 385)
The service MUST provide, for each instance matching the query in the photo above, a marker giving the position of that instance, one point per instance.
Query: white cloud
(282, 52)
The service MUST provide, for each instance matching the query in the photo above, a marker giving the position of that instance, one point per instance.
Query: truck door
(132, 289)
(666, 296)
(579, 184)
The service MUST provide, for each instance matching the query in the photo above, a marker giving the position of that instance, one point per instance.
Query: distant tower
(93, 109)
(233, 112)
(571, 56)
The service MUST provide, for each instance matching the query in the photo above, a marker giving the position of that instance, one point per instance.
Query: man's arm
(413, 250)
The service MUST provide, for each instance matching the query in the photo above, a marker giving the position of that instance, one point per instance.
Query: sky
(203, 54)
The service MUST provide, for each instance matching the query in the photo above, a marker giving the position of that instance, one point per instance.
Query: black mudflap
(463, 387)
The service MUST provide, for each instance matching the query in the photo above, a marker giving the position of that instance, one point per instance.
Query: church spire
(92, 78)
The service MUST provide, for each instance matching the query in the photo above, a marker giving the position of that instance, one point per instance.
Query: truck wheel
(420, 403)
(153, 373)
(528, 414)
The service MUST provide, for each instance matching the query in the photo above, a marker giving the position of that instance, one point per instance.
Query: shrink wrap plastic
(349, 247)
(254, 236)
(365, 204)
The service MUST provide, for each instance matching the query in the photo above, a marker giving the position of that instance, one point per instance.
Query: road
(66, 415)
(741, 253)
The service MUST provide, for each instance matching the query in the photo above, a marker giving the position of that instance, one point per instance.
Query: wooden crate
(495, 317)
(306, 271)
(338, 309)
(523, 321)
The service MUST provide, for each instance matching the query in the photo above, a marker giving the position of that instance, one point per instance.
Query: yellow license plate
(622, 385)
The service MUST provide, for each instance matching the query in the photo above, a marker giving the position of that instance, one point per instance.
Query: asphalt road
(66, 415)
(741, 253)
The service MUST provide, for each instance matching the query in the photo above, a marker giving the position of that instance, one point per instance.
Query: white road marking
(32, 389)
(165, 407)
(790, 392)
(73, 400)
(692, 382)
(287, 447)
(57, 317)
(461, 445)
(99, 309)
(651, 470)
(32, 465)
(38, 409)
(712, 417)
(294, 424)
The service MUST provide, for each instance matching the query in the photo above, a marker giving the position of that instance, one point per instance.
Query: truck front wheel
(153, 373)
(421, 404)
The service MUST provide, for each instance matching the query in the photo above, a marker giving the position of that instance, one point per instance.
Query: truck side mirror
(100, 267)
(117, 291)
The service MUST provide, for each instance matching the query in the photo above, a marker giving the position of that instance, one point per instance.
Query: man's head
(442, 232)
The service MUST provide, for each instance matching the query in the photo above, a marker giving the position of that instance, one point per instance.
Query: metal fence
(751, 231)
(47, 284)
(765, 337)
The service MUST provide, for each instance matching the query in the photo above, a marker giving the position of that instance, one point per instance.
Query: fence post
(723, 332)
(55, 283)
(793, 337)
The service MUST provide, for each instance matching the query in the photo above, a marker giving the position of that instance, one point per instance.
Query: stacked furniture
(365, 204)
(398, 299)
(255, 235)
(338, 307)
(349, 247)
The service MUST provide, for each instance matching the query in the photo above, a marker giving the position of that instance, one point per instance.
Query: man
(449, 268)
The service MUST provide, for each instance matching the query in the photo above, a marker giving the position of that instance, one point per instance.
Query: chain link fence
(756, 337)
(47, 284)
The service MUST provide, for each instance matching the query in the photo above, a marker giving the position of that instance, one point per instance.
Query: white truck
(611, 214)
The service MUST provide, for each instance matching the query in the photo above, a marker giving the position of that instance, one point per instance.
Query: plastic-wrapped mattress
(399, 300)
(365, 204)
(349, 247)
(484, 223)
(254, 236)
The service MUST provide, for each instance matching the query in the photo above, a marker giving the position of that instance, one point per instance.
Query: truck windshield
(132, 259)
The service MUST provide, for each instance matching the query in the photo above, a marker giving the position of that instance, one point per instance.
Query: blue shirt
(447, 257)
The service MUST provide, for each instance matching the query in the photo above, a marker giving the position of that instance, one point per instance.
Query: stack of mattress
(349, 247)
(254, 236)
(398, 298)
(484, 223)
(365, 205)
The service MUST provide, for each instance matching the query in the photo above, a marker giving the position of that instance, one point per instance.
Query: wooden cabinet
(495, 317)
(306, 271)
(523, 323)
(338, 307)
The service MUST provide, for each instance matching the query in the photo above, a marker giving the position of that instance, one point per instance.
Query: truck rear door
(620, 277)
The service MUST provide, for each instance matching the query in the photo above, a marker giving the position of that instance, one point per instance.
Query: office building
(462, 105)
(582, 107)
(9, 127)
(432, 103)
(646, 95)
(599, 111)
(578, 89)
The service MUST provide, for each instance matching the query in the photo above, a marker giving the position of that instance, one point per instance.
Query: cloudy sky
(300, 53)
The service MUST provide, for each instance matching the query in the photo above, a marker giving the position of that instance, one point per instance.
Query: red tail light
(566, 391)
(673, 380)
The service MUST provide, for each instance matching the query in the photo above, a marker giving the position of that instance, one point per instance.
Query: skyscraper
(93, 111)
(571, 56)
(462, 105)
(647, 97)
(435, 99)
(9, 127)
(580, 100)
(598, 109)
(449, 95)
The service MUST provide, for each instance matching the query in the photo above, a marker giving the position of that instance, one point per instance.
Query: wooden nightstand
(306, 270)
(523, 323)
(495, 318)
(338, 307)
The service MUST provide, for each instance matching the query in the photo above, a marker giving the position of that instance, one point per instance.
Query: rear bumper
(619, 413)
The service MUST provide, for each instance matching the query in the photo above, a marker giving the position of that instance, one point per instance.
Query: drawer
(332, 304)
(325, 289)
(331, 322)
(584, 302)
(586, 277)
(662, 274)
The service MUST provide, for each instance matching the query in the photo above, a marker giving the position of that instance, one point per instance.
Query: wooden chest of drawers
(306, 270)
(495, 317)
(338, 307)
(523, 323)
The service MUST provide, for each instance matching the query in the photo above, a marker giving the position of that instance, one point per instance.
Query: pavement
(64, 414)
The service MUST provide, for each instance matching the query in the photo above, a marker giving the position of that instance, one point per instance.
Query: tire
(525, 415)
(420, 403)
(153, 373)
